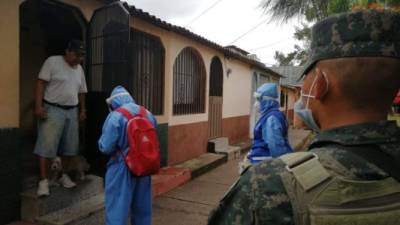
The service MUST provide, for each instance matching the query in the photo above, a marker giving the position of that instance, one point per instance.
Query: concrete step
(169, 178)
(86, 212)
(244, 146)
(203, 163)
(33, 206)
(232, 152)
(220, 144)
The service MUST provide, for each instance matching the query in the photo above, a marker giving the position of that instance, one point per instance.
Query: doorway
(215, 98)
(45, 29)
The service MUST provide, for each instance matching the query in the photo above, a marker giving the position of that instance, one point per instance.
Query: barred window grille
(189, 83)
(147, 67)
(109, 37)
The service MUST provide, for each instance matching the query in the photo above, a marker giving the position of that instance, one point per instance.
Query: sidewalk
(191, 203)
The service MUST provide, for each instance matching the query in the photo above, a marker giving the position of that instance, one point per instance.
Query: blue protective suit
(271, 130)
(125, 194)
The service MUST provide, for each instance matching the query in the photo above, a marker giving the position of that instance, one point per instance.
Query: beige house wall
(237, 89)
(9, 67)
(235, 102)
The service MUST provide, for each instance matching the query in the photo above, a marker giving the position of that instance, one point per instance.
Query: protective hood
(119, 96)
(267, 95)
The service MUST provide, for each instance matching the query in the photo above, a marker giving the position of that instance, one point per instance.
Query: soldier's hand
(40, 112)
(82, 115)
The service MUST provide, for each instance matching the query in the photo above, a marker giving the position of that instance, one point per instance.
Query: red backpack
(143, 156)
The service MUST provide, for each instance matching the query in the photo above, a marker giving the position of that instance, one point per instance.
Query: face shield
(262, 102)
(110, 99)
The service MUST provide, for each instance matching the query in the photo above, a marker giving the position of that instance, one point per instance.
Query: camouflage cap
(367, 33)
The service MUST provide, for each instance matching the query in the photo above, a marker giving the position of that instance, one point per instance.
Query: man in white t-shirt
(60, 92)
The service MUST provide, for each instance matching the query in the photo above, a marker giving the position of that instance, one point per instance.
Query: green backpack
(321, 194)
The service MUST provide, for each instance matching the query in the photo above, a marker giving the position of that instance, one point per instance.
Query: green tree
(299, 55)
(313, 11)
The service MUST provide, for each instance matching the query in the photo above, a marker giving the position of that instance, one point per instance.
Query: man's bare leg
(43, 189)
(44, 162)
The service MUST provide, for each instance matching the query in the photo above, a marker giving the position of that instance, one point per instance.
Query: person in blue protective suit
(125, 194)
(271, 129)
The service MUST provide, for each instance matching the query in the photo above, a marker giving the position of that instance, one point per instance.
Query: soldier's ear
(321, 84)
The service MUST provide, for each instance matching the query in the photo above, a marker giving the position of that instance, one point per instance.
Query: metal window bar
(189, 83)
(148, 56)
(109, 38)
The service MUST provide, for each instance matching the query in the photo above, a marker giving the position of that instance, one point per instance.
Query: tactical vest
(321, 194)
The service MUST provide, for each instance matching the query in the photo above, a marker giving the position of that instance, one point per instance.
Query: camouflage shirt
(259, 196)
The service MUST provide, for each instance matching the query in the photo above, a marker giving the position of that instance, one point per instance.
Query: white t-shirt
(64, 81)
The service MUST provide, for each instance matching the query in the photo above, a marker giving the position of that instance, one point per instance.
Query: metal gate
(215, 99)
(108, 66)
(109, 36)
(147, 71)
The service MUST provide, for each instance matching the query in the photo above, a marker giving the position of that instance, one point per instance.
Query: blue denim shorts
(58, 134)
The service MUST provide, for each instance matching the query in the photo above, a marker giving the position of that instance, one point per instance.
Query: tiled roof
(291, 74)
(187, 33)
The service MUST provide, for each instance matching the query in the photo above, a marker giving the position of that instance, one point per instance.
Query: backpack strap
(129, 116)
(306, 168)
(142, 111)
(125, 113)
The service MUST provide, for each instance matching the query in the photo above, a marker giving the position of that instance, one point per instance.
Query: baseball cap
(76, 46)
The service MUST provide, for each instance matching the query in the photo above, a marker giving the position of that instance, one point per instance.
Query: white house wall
(237, 89)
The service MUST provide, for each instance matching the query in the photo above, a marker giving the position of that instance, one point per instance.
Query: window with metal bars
(189, 83)
(147, 70)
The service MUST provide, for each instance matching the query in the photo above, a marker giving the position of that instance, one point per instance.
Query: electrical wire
(204, 12)
(267, 46)
(247, 32)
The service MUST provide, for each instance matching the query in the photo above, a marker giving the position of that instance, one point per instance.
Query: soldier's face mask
(303, 112)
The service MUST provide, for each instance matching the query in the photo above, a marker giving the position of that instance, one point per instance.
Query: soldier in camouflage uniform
(351, 78)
